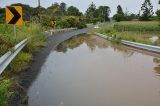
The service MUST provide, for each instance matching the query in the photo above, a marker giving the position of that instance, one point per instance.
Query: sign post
(15, 34)
(53, 23)
(14, 17)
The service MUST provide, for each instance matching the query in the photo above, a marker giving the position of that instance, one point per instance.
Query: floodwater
(90, 71)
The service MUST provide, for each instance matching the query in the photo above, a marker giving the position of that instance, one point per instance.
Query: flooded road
(90, 71)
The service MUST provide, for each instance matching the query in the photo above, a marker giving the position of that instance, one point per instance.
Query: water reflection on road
(89, 71)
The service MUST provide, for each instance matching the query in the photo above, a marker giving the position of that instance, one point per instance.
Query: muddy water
(89, 71)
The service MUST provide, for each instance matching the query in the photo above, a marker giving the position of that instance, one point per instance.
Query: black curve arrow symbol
(16, 17)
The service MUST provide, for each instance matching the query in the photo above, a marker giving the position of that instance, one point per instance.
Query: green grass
(4, 91)
(152, 26)
(92, 25)
(7, 41)
(20, 62)
(7, 38)
(133, 31)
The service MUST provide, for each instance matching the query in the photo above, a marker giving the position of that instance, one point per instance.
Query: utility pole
(39, 3)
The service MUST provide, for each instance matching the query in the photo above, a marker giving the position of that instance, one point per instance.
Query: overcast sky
(131, 5)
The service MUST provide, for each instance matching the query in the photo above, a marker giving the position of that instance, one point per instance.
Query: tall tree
(1, 10)
(120, 10)
(63, 7)
(90, 13)
(55, 10)
(158, 12)
(147, 10)
(103, 13)
(119, 16)
(2, 15)
(54, 6)
(73, 11)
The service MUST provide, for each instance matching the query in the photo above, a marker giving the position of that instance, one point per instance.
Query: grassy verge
(92, 25)
(20, 63)
(141, 26)
(4, 91)
(133, 31)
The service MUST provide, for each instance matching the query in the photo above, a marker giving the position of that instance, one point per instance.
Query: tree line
(65, 16)
(72, 17)
(145, 13)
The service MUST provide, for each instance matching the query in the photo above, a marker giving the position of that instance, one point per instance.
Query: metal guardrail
(103, 36)
(134, 44)
(60, 30)
(10, 55)
(142, 46)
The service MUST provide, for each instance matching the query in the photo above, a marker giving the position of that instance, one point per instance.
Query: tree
(72, 21)
(131, 17)
(63, 7)
(2, 15)
(56, 10)
(120, 14)
(118, 17)
(147, 10)
(103, 13)
(30, 12)
(120, 10)
(90, 13)
(158, 12)
(73, 11)
(2, 11)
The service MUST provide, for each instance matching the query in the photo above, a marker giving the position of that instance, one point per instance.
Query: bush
(107, 30)
(72, 21)
(118, 17)
(46, 21)
(94, 20)
(20, 62)
(59, 24)
(158, 15)
(81, 26)
(4, 91)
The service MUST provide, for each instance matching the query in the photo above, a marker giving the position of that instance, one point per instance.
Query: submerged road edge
(39, 57)
(150, 48)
